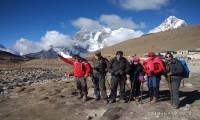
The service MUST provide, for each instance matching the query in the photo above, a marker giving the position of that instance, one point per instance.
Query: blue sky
(31, 20)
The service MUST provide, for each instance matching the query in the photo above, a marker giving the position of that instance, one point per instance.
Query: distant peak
(171, 22)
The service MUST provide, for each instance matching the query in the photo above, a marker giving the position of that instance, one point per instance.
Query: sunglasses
(151, 56)
(167, 57)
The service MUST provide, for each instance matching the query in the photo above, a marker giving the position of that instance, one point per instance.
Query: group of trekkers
(119, 67)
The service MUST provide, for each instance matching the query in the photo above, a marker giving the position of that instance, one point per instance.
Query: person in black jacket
(173, 69)
(135, 72)
(118, 67)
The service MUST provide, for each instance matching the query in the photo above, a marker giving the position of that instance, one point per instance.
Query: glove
(86, 76)
(151, 72)
(96, 69)
(138, 69)
(121, 72)
(70, 74)
(117, 72)
(165, 72)
(141, 79)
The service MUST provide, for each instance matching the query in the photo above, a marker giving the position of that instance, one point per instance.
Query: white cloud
(121, 35)
(139, 5)
(141, 25)
(111, 21)
(55, 38)
(86, 23)
(25, 46)
(116, 22)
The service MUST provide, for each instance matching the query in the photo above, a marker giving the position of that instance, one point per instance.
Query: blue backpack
(186, 72)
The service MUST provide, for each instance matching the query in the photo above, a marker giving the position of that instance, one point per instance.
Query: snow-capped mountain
(51, 52)
(92, 40)
(3, 48)
(86, 41)
(170, 23)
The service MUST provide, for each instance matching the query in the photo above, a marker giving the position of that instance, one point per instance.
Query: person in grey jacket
(174, 70)
(100, 65)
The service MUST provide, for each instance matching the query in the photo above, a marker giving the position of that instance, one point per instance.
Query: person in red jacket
(153, 67)
(81, 71)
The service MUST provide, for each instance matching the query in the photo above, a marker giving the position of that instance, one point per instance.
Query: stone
(112, 113)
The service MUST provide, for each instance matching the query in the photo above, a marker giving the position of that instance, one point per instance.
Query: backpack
(83, 63)
(185, 68)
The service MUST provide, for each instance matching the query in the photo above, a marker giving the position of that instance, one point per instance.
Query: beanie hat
(97, 53)
(170, 54)
(136, 59)
(151, 54)
(119, 53)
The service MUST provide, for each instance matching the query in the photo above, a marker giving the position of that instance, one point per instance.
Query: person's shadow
(190, 97)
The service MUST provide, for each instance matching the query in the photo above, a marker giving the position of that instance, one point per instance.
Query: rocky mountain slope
(7, 57)
(3, 48)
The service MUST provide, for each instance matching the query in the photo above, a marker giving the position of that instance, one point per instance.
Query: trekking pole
(141, 94)
(183, 82)
(132, 85)
(170, 86)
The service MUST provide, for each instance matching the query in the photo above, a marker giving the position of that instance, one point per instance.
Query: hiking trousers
(135, 86)
(99, 85)
(176, 80)
(115, 80)
(81, 85)
(153, 85)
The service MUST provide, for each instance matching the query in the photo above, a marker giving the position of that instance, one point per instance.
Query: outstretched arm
(66, 60)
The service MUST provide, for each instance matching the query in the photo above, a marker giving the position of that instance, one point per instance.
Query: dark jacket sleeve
(140, 70)
(128, 68)
(110, 67)
(178, 69)
(107, 63)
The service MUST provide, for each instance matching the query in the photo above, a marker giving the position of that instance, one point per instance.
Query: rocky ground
(39, 90)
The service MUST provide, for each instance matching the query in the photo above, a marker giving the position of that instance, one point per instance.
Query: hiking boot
(175, 107)
(97, 98)
(79, 96)
(124, 101)
(154, 100)
(105, 101)
(85, 98)
(112, 100)
(137, 99)
(151, 98)
(131, 99)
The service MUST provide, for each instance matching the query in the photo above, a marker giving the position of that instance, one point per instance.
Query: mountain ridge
(170, 23)
(177, 39)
